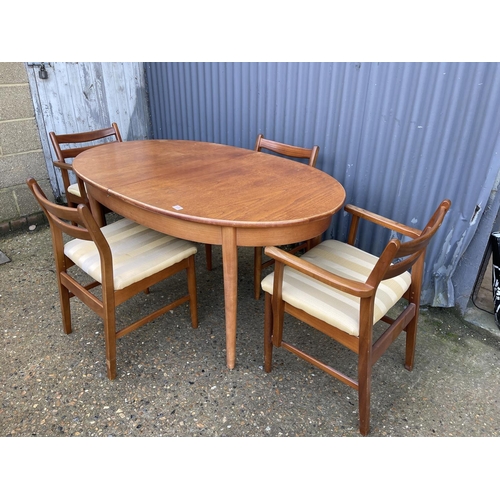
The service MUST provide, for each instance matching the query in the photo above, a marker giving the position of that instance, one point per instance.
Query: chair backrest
(80, 138)
(74, 145)
(76, 222)
(287, 150)
(399, 257)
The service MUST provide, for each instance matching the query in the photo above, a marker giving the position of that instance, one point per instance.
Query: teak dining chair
(79, 142)
(124, 257)
(289, 151)
(344, 291)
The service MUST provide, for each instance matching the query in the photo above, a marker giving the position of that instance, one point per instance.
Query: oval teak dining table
(211, 193)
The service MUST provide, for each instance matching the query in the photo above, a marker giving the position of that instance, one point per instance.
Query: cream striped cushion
(328, 304)
(74, 189)
(138, 252)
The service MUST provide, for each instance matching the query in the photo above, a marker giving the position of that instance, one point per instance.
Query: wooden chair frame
(282, 149)
(396, 258)
(79, 223)
(292, 152)
(66, 153)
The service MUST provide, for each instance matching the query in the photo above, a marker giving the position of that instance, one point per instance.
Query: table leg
(313, 242)
(97, 211)
(230, 269)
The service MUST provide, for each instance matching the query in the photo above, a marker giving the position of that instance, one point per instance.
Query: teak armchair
(124, 257)
(343, 291)
(289, 151)
(79, 142)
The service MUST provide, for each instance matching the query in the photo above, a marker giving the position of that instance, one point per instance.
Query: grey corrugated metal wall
(400, 137)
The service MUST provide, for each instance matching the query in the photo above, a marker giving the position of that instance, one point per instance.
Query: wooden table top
(211, 183)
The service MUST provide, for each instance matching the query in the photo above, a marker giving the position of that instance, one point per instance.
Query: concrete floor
(173, 381)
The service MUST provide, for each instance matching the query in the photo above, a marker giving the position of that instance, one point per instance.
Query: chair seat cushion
(138, 252)
(74, 189)
(338, 308)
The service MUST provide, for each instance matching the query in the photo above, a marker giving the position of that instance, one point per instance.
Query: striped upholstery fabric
(74, 189)
(328, 304)
(138, 252)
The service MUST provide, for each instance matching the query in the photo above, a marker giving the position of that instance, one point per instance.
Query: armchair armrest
(356, 288)
(64, 166)
(360, 213)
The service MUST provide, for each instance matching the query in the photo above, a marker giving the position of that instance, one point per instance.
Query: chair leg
(364, 391)
(110, 335)
(268, 328)
(364, 382)
(65, 308)
(208, 254)
(257, 271)
(411, 340)
(193, 301)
